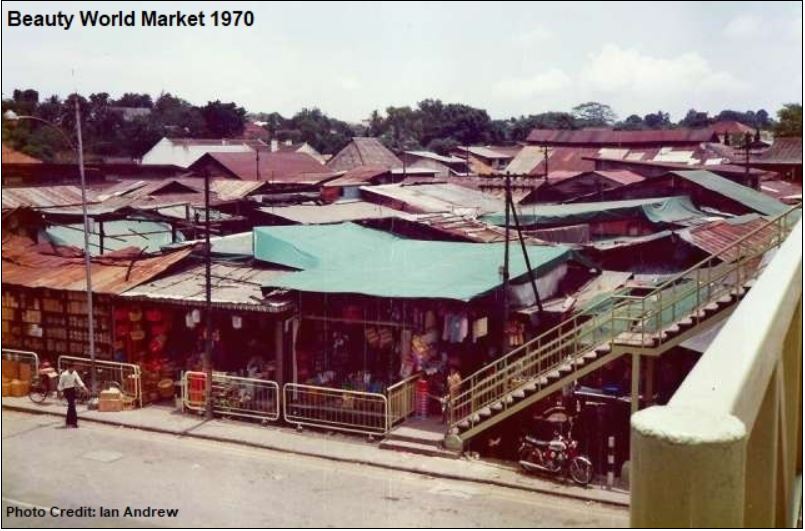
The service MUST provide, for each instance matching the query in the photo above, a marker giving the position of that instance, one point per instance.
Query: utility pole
(208, 300)
(87, 263)
(257, 161)
(505, 272)
(747, 141)
(510, 201)
(545, 156)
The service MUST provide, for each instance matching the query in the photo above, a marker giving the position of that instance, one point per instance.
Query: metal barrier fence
(402, 399)
(233, 396)
(337, 409)
(24, 356)
(127, 375)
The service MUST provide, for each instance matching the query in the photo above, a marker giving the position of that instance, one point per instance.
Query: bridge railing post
(687, 468)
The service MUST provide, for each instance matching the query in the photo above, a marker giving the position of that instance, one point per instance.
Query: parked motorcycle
(557, 456)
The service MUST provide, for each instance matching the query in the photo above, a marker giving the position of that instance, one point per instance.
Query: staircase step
(542, 380)
(464, 424)
(531, 387)
(726, 299)
(497, 406)
(579, 361)
(711, 307)
(566, 368)
(603, 349)
(518, 394)
(687, 322)
(485, 412)
(509, 399)
(591, 355)
(418, 448)
(554, 375)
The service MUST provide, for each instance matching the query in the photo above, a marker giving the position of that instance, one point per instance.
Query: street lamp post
(79, 150)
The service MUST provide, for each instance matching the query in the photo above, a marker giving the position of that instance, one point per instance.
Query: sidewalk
(335, 446)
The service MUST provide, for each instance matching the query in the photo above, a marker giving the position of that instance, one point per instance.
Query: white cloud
(548, 82)
(348, 83)
(534, 36)
(616, 69)
(743, 26)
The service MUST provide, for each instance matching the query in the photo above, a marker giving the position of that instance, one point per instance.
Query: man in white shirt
(68, 382)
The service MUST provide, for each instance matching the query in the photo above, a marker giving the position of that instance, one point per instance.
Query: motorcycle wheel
(581, 470)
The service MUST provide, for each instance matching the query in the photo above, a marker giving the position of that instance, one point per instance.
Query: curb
(227, 440)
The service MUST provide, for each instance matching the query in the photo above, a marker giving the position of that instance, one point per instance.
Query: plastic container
(19, 388)
(24, 371)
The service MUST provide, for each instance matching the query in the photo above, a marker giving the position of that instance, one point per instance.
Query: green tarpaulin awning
(662, 210)
(348, 258)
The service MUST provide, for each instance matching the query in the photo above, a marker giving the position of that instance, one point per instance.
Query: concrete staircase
(420, 436)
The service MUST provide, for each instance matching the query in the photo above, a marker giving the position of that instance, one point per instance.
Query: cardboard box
(110, 405)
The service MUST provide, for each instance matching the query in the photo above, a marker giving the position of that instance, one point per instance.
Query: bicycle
(43, 386)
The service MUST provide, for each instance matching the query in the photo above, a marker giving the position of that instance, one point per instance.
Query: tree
(789, 120)
(632, 123)
(695, 118)
(658, 120)
(594, 114)
(132, 99)
(223, 120)
(762, 119)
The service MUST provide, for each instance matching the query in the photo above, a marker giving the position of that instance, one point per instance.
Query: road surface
(214, 484)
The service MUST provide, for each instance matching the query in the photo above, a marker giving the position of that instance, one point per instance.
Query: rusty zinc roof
(610, 137)
(43, 196)
(715, 237)
(32, 265)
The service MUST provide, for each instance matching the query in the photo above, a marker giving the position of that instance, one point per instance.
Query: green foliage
(594, 114)
(789, 120)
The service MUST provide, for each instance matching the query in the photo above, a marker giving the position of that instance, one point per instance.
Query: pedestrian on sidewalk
(69, 381)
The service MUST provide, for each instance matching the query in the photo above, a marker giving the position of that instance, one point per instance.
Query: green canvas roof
(349, 258)
(748, 197)
(663, 210)
(148, 235)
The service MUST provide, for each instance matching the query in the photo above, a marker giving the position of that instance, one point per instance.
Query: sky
(351, 58)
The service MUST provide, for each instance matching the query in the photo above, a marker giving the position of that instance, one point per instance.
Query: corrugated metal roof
(233, 285)
(282, 166)
(332, 213)
(469, 228)
(784, 150)
(43, 196)
(358, 175)
(609, 137)
(716, 236)
(528, 158)
(441, 197)
(785, 191)
(622, 176)
(62, 268)
(435, 156)
(363, 151)
(737, 192)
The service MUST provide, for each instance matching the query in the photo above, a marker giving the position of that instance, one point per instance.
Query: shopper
(69, 381)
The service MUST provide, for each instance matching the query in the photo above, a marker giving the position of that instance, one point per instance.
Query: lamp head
(11, 116)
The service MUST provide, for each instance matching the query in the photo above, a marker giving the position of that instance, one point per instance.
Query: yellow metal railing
(727, 449)
(338, 409)
(636, 320)
(232, 396)
(402, 399)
